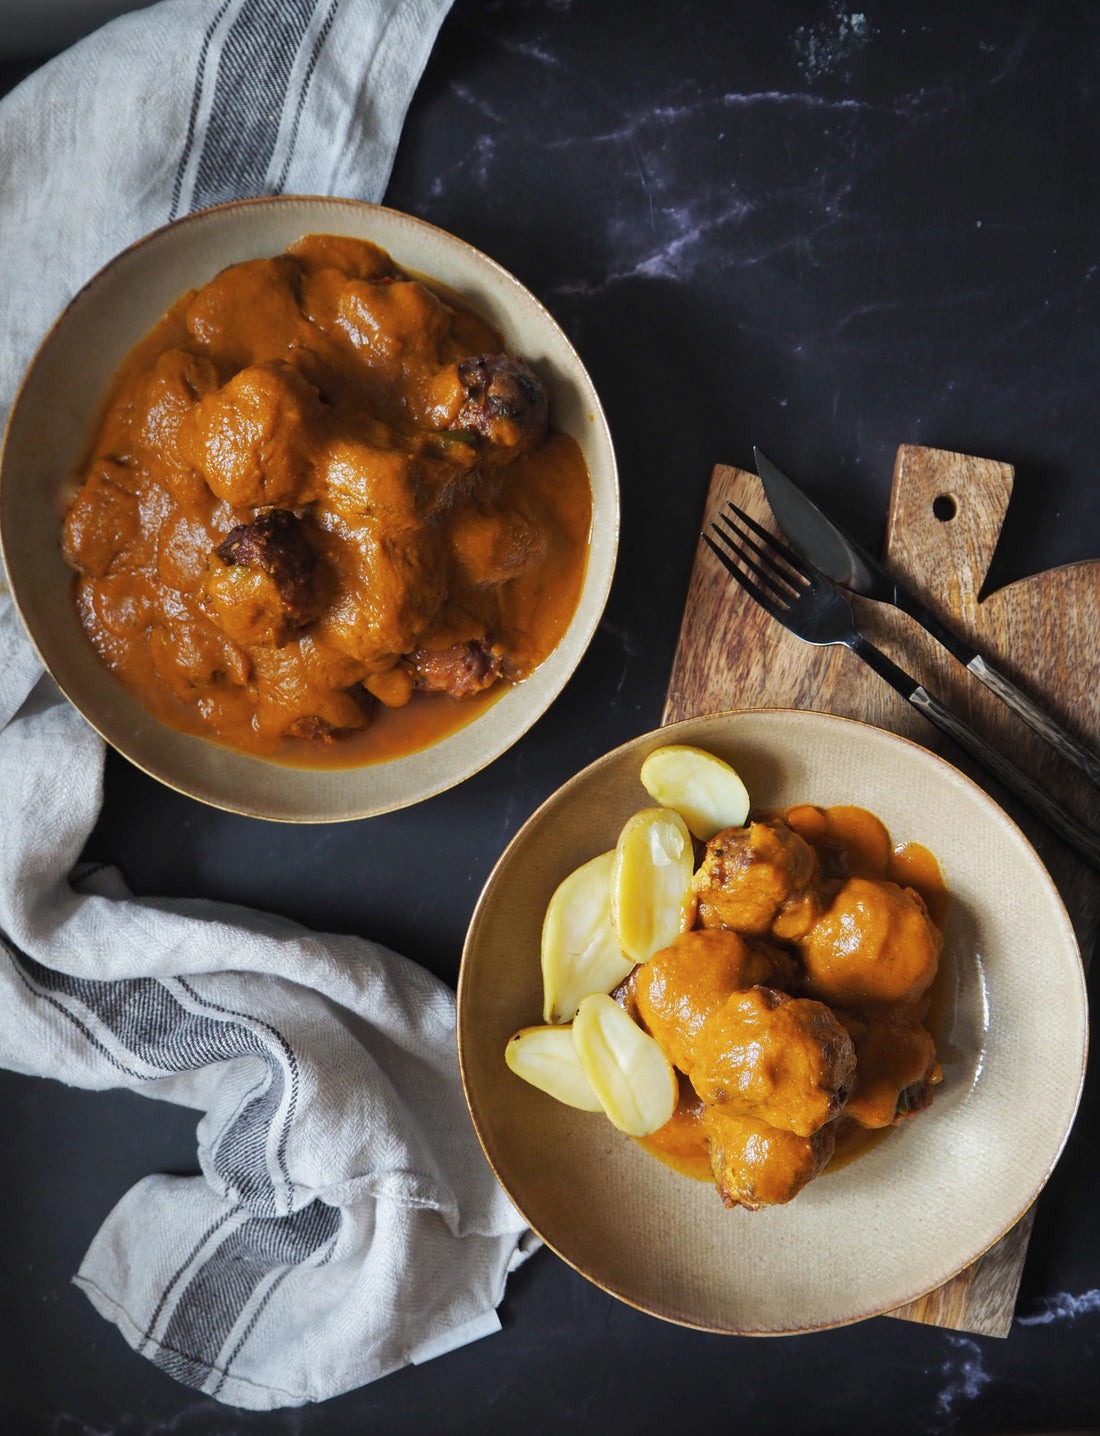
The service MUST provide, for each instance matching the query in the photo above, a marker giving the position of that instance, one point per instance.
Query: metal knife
(826, 545)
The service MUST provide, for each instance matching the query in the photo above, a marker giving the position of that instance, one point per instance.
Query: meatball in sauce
(325, 517)
(795, 1010)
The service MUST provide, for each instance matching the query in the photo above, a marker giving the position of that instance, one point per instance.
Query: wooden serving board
(1042, 632)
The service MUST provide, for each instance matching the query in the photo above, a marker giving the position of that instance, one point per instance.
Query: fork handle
(1065, 744)
(1083, 839)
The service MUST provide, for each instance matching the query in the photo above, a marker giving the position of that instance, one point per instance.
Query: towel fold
(345, 1221)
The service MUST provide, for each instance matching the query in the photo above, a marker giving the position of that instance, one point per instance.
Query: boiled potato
(651, 901)
(580, 948)
(547, 1058)
(625, 1067)
(707, 793)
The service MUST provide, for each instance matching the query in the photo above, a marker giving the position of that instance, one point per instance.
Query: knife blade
(825, 544)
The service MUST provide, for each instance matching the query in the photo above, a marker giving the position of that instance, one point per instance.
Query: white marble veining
(830, 44)
(1065, 1306)
(965, 1371)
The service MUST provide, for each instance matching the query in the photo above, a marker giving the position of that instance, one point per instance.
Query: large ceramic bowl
(51, 421)
(899, 1220)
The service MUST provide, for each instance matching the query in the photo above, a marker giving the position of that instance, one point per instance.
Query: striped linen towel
(345, 1221)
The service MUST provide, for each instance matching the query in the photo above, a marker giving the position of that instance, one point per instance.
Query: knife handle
(1083, 839)
(1065, 744)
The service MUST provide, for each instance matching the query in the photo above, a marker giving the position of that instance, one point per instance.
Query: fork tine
(765, 600)
(796, 561)
(818, 611)
(785, 587)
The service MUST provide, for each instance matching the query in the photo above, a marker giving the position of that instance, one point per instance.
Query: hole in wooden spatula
(944, 507)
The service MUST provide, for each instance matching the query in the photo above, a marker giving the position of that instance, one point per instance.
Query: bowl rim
(595, 587)
(607, 759)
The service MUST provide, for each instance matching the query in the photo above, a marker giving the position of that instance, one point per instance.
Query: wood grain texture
(945, 517)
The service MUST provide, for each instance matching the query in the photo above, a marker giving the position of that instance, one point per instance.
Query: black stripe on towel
(223, 1286)
(250, 96)
(196, 97)
(318, 46)
(170, 1286)
(150, 1022)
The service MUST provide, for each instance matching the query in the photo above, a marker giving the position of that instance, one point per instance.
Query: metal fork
(809, 605)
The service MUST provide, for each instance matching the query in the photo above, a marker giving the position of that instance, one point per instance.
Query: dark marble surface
(820, 230)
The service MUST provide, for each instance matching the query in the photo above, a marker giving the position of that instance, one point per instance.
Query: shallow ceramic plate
(50, 424)
(901, 1219)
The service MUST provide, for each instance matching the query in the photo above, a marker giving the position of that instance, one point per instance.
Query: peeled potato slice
(707, 793)
(580, 948)
(625, 1067)
(651, 882)
(547, 1058)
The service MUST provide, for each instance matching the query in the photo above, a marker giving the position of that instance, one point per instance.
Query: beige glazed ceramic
(904, 1217)
(50, 424)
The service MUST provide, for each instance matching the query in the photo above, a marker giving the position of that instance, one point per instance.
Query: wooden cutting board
(946, 512)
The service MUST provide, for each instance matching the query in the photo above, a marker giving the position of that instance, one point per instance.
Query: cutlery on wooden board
(811, 606)
(839, 557)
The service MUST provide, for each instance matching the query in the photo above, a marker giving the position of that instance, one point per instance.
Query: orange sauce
(849, 841)
(854, 1141)
(322, 518)
(395, 732)
(680, 1143)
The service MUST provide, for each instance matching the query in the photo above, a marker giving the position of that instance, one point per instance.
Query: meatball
(680, 986)
(505, 402)
(780, 1060)
(103, 522)
(393, 321)
(756, 1165)
(265, 588)
(358, 258)
(759, 880)
(192, 657)
(896, 1068)
(175, 384)
(319, 730)
(276, 543)
(463, 670)
(252, 439)
(875, 943)
(348, 711)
